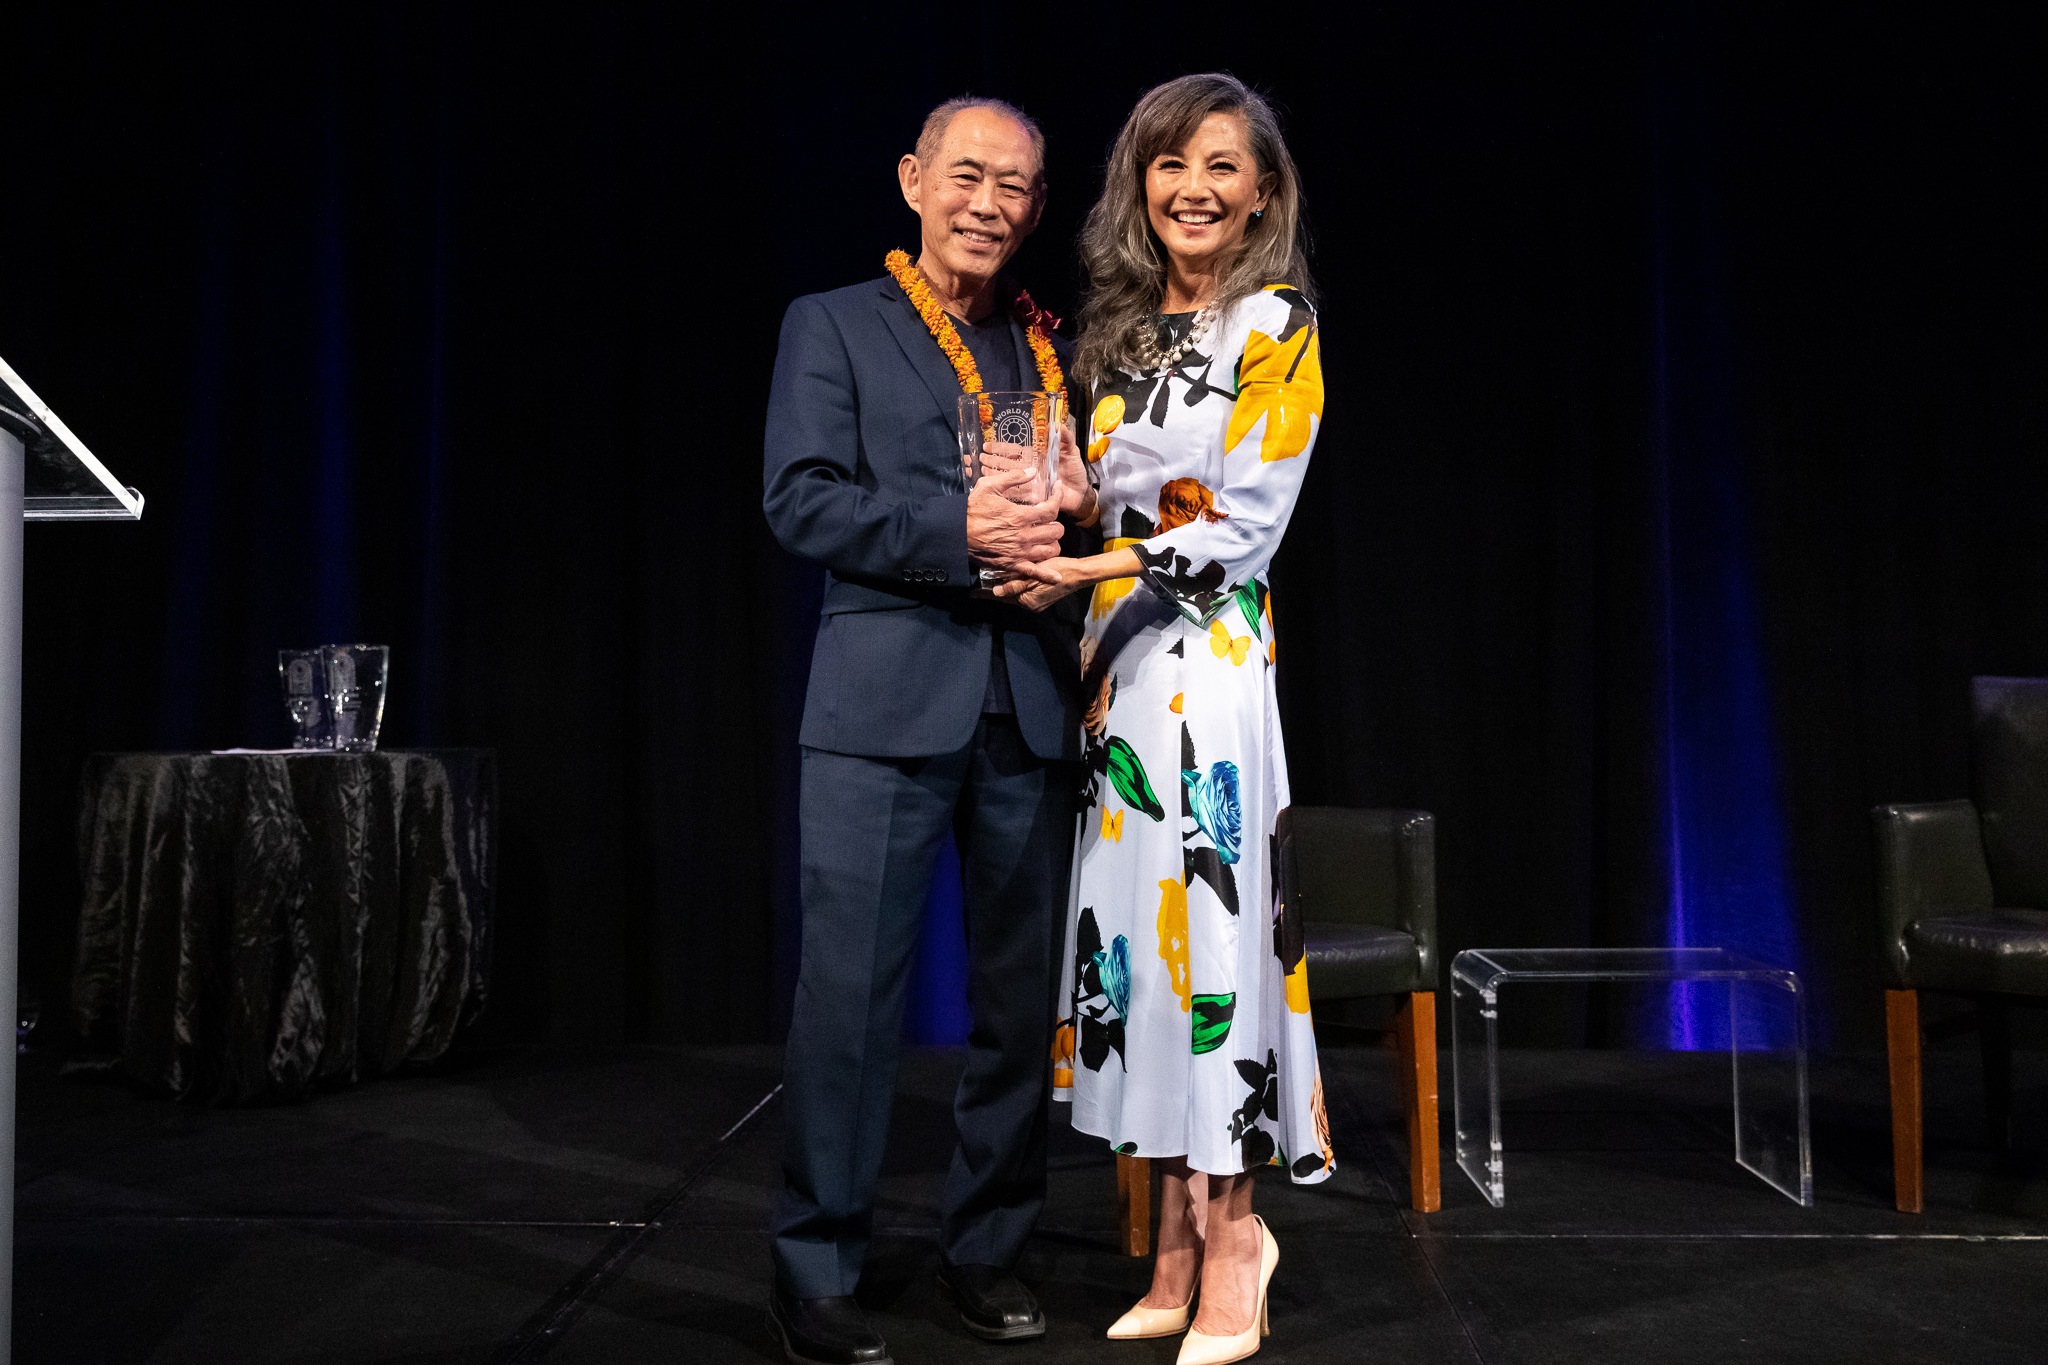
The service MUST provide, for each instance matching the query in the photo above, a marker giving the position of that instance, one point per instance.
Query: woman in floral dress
(1185, 1032)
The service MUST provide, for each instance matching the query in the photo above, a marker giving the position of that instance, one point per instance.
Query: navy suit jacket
(862, 475)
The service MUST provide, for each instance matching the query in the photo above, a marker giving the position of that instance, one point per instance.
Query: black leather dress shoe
(825, 1331)
(993, 1304)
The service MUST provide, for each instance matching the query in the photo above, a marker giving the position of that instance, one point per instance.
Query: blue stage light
(1723, 819)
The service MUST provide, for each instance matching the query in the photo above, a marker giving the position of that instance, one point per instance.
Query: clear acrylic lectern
(46, 474)
(1768, 1077)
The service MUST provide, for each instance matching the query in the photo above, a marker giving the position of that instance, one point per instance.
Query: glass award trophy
(355, 694)
(335, 695)
(304, 674)
(1010, 444)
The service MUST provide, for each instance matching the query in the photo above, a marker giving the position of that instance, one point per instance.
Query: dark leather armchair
(1962, 899)
(1366, 881)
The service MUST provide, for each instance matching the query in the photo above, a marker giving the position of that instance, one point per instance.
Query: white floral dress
(1184, 1027)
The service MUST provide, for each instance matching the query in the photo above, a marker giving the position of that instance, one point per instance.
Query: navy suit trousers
(871, 830)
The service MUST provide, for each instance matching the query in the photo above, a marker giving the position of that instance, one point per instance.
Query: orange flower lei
(1038, 325)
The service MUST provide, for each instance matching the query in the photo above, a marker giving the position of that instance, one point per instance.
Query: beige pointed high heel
(1198, 1349)
(1152, 1322)
(1143, 1322)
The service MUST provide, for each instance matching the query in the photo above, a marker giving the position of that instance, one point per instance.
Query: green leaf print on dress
(1213, 1014)
(1248, 603)
(1127, 775)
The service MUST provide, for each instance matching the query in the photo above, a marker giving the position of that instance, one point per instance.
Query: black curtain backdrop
(1686, 445)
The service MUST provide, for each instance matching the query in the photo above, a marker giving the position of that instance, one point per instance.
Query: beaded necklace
(1152, 358)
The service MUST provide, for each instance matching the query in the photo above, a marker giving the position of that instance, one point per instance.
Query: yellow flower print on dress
(1112, 826)
(1108, 413)
(1227, 646)
(1296, 983)
(1173, 939)
(1063, 1055)
(1283, 383)
(1110, 589)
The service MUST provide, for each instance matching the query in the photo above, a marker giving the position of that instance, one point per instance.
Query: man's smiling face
(978, 198)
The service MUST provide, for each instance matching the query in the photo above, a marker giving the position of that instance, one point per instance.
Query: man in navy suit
(930, 708)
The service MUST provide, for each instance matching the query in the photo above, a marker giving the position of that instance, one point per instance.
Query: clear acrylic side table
(1771, 1134)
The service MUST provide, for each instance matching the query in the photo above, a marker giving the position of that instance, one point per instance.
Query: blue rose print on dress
(1213, 801)
(1113, 966)
(1102, 992)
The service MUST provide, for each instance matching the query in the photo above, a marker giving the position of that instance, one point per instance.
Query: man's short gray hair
(940, 119)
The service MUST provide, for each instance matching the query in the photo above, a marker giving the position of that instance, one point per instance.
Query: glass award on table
(304, 674)
(355, 693)
(1010, 443)
(335, 695)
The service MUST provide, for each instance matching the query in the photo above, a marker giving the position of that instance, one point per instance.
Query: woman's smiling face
(1201, 195)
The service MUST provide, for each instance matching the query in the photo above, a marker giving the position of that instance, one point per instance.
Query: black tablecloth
(255, 924)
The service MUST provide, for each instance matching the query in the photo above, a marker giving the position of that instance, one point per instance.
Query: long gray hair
(1125, 259)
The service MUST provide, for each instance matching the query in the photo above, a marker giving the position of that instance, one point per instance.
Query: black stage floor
(529, 1206)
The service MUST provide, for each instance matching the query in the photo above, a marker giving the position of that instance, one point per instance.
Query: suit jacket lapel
(922, 351)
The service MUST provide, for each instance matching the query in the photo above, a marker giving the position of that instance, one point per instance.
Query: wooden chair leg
(1415, 1029)
(1134, 1203)
(1994, 1036)
(1902, 1041)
